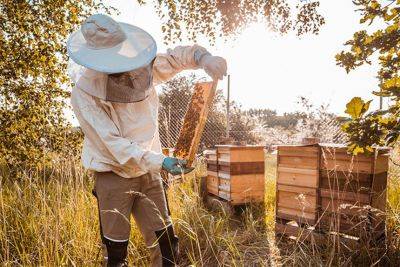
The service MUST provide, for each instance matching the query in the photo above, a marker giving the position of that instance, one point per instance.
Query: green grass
(50, 219)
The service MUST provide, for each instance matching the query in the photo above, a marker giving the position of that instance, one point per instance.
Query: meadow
(50, 219)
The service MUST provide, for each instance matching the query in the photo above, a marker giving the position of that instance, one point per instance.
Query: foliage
(367, 129)
(33, 78)
(242, 127)
(319, 123)
(270, 118)
(226, 18)
(291, 128)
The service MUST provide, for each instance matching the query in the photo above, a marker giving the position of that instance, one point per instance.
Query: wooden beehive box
(323, 186)
(353, 191)
(240, 174)
(212, 172)
(297, 183)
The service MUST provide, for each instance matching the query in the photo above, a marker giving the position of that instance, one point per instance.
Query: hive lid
(239, 146)
(343, 148)
(338, 147)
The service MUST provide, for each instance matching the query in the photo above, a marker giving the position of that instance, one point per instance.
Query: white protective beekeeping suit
(123, 137)
(114, 68)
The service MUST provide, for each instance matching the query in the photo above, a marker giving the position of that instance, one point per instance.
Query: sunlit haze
(271, 71)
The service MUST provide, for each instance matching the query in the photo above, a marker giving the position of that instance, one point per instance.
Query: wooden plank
(347, 166)
(347, 176)
(225, 195)
(214, 162)
(248, 155)
(248, 181)
(297, 201)
(224, 175)
(340, 223)
(212, 167)
(345, 185)
(212, 173)
(240, 154)
(349, 197)
(210, 152)
(212, 190)
(194, 121)
(327, 154)
(224, 187)
(292, 214)
(304, 148)
(238, 147)
(212, 184)
(300, 152)
(297, 189)
(378, 201)
(381, 164)
(379, 191)
(224, 157)
(298, 177)
(332, 159)
(235, 168)
(344, 206)
(255, 197)
(298, 162)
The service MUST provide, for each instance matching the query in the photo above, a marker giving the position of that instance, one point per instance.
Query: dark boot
(168, 242)
(116, 252)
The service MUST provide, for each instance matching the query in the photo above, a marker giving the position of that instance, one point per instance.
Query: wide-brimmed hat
(104, 45)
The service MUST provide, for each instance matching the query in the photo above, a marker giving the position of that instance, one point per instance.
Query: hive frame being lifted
(195, 121)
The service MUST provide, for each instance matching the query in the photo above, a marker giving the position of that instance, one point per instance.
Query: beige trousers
(143, 197)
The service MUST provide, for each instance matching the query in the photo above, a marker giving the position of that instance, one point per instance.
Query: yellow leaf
(357, 107)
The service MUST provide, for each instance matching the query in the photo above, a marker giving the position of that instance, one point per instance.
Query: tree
(242, 127)
(319, 123)
(33, 78)
(228, 17)
(369, 128)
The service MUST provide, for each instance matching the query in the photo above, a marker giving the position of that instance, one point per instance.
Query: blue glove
(176, 166)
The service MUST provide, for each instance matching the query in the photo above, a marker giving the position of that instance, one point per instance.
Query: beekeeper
(114, 68)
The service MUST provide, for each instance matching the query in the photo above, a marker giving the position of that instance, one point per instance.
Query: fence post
(228, 107)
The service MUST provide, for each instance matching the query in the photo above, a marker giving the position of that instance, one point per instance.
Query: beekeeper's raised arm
(168, 64)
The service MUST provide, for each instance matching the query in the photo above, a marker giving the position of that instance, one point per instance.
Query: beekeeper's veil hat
(105, 45)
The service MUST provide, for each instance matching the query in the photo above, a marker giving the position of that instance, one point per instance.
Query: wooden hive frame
(194, 121)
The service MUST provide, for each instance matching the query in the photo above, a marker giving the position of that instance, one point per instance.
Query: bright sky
(270, 71)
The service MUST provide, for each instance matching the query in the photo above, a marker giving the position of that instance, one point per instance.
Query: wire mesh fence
(245, 127)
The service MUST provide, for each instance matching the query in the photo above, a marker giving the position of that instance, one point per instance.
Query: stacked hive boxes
(353, 191)
(325, 187)
(236, 173)
(297, 183)
(212, 172)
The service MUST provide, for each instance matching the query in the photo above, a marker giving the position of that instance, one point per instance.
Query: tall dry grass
(50, 219)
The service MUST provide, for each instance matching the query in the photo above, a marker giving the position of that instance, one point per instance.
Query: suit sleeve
(167, 65)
